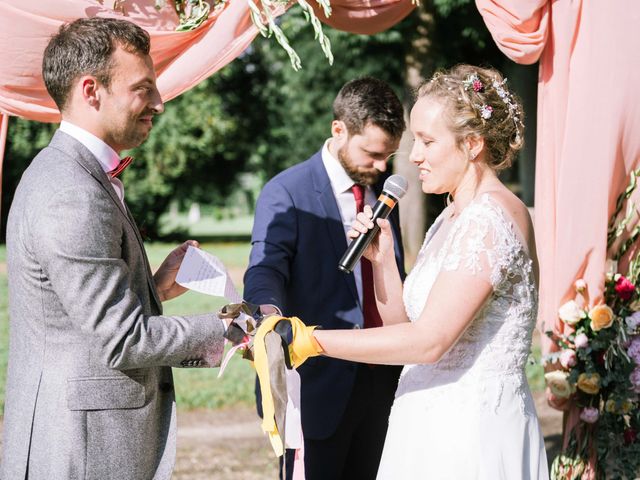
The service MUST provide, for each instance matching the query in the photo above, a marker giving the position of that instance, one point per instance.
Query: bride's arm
(453, 302)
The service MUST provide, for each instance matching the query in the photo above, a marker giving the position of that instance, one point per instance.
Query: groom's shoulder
(299, 176)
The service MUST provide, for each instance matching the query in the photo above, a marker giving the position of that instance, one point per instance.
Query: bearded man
(299, 236)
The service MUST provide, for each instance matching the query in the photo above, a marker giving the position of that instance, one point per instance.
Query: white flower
(580, 285)
(570, 313)
(558, 382)
(486, 111)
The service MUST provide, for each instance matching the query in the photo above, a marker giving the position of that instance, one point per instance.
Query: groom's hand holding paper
(205, 273)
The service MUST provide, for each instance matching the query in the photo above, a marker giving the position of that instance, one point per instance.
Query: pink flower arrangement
(597, 365)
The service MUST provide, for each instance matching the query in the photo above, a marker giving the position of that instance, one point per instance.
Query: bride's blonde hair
(478, 102)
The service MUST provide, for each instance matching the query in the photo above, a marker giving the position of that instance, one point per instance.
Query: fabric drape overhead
(182, 59)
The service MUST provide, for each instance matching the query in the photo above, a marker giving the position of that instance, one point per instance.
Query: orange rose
(601, 317)
(589, 383)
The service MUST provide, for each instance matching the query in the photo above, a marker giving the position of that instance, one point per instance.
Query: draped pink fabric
(364, 16)
(182, 59)
(588, 128)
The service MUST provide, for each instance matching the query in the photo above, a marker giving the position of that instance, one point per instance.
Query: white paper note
(205, 273)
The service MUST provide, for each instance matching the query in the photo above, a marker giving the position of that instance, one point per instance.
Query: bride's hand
(382, 245)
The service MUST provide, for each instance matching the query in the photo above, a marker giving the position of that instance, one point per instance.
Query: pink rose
(568, 358)
(624, 288)
(589, 415)
(581, 341)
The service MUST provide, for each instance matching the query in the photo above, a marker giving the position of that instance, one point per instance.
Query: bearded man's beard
(359, 175)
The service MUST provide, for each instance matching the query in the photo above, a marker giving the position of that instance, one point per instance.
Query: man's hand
(165, 277)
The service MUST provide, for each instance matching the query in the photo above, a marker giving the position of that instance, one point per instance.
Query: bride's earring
(473, 156)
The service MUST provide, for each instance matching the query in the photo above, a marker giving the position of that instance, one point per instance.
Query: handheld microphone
(393, 190)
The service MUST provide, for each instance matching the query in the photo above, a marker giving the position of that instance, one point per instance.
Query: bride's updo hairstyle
(478, 102)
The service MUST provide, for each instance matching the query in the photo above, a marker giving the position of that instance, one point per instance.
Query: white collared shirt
(341, 184)
(106, 156)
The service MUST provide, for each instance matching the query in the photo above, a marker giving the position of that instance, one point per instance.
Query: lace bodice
(474, 403)
(482, 241)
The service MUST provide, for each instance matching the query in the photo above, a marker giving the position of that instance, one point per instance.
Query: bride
(463, 320)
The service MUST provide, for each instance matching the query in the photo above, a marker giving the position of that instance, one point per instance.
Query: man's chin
(367, 179)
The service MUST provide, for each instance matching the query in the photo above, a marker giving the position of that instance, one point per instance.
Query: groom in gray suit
(89, 391)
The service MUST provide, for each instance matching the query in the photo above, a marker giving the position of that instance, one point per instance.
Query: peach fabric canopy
(588, 128)
(181, 59)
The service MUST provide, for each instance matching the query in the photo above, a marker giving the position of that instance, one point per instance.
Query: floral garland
(599, 367)
(473, 82)
(192, 13)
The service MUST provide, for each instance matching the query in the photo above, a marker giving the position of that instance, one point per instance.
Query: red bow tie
(124, 163)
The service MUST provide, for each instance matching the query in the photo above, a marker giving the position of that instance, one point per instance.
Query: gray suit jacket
(89, 386)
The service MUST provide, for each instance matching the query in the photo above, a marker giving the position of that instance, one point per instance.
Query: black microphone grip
(356, 248)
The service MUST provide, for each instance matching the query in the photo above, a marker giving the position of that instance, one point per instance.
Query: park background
(199, 173)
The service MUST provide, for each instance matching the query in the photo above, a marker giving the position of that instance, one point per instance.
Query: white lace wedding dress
(471, 415)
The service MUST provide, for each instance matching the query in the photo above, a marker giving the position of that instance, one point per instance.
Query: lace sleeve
(477, 246)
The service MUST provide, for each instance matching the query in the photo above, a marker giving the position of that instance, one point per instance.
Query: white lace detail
(495, 347)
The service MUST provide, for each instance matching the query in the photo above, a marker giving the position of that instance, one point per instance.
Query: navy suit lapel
(329, 206)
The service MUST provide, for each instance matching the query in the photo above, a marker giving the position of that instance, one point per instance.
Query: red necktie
(124, 163)
(369, 308)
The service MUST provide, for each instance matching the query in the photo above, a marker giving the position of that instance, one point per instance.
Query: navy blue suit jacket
(297, 242)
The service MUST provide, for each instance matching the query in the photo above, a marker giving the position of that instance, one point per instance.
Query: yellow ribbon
(302, 347)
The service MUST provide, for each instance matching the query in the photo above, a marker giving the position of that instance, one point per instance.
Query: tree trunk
(413, 207)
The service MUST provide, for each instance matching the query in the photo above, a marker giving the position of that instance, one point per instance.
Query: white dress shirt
(106, 156)
(341, 184)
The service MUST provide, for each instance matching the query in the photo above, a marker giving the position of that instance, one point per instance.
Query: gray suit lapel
(81, 154)
(86, 160)
(329, 205)
(152, 285)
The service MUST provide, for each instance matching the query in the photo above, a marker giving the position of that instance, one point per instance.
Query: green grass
(200, 388)
(208, 225)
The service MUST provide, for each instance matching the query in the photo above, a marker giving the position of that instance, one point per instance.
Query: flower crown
(473, 82)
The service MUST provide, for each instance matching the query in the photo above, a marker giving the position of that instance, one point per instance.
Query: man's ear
(339, 129)
(90, 90)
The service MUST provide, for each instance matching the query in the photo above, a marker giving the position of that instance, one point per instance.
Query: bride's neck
(478, 179)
